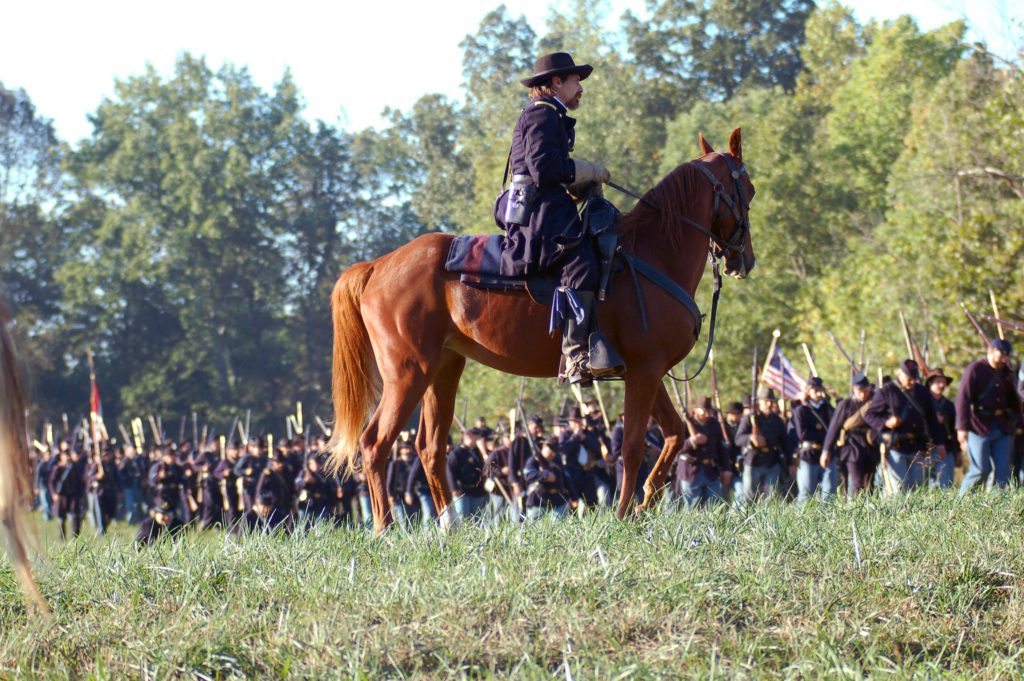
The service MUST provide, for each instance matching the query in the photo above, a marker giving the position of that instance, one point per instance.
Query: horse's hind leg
(396, 405)
(435, 422)
(672, 426)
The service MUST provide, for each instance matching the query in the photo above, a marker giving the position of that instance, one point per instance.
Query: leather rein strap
(740, 208)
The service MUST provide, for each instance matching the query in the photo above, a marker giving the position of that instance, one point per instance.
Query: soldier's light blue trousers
(905, 471)
(701, 491)
(810, 475)
(987, 453)
(758, 478)
(942, 473)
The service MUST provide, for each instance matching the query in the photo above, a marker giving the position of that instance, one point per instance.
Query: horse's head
(733, 192)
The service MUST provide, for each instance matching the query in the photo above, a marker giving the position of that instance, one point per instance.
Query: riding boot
(588, 355)
(575, 344)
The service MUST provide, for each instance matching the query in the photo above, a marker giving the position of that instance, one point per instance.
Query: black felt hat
(555, 64)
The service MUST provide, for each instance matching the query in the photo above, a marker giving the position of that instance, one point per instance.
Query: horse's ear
(736, 145)
(705, 148)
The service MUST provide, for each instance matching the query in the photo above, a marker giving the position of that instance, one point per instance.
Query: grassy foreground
(930, 586)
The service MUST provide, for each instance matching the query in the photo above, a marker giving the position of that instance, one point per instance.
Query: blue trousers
(905, 470)
(757, 477)
(703, 490)
(467, 506)
(810, 475)
(987, 453)
(538, 512)
(942, 474)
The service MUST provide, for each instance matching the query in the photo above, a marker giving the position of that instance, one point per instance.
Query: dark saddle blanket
(476, 254)
(478, 259)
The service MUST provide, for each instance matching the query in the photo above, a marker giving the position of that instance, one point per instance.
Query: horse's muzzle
(740, 266)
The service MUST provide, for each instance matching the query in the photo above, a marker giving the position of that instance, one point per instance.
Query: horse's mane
(679, 193)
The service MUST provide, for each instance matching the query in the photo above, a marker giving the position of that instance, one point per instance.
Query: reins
(739, 207)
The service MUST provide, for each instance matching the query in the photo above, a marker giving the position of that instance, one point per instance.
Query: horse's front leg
(641, 387)
(672, 426)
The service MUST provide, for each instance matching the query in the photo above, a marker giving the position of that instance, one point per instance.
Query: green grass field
(926, 586)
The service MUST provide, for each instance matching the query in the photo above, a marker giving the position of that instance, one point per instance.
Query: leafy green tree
(712, 48)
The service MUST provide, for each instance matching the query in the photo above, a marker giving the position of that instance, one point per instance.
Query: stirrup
(602, 359)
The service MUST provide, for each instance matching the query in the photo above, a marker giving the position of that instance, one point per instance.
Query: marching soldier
(811, 419)
(317, 493)
(275, 494)
(208, 490)
(131, 471)
(856, 442)
(733, 414)
(904, 413)
(548, 489)
(67, 487)
(465, 467)
(247, 471)
(520, 452)
(704, 465)
(166, 483)
(763, 451)
(231, 502)
(581, 453)
(418, 488)
(496, 470)
(103, 485)
(945, 410)
(403, 505)
(987, 408)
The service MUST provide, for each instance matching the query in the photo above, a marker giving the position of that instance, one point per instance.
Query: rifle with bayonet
(913, 350)
(684, 405)
(716, 398)
(975, 324)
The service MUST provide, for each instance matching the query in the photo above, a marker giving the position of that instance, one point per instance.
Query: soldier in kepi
(987, 408)
(903, 411)
(761, 437)
(543, 229)
(851, 435)
(814, 467)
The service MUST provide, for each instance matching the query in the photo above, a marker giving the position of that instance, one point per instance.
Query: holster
(600, 222)
(519, 204)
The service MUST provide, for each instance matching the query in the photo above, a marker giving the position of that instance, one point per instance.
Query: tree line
(193, 237)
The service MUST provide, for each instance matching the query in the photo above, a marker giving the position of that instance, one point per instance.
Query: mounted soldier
(544, 232)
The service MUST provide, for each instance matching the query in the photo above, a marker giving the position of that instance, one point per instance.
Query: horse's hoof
(448, 520)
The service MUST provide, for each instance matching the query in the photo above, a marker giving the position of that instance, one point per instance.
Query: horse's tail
(15, 469)
(356, 385)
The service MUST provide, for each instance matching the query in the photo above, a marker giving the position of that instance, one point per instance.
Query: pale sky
(349, 59)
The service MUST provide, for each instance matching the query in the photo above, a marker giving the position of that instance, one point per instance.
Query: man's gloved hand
(590, 172)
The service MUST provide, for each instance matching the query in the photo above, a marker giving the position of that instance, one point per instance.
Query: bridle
(718, 248)
(737, 203)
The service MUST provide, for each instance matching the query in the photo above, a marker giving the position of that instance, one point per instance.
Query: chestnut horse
(403, 328)
(15, 469)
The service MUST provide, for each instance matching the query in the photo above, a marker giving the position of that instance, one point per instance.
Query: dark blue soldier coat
(541, 141)
(811, 425)
(916, 427)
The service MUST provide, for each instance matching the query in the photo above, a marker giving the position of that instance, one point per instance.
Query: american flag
(782, 377)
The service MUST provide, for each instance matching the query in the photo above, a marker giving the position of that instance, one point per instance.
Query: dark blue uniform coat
(541, 141)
